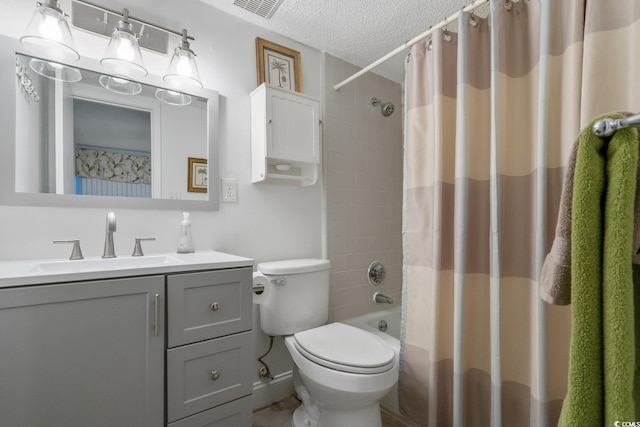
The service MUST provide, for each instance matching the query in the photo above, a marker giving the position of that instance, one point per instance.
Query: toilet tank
(296, 297)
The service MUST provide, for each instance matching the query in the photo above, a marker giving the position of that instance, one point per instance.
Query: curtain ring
(430, 44)
(473, 20)
(445, 34)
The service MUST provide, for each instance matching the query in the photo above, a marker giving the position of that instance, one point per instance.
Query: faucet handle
(137, 249)
(76, 252)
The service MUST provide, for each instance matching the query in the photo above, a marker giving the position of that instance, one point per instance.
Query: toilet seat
(345, 348)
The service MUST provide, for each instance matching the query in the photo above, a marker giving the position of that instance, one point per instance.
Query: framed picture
(278, 65)
(198, 179)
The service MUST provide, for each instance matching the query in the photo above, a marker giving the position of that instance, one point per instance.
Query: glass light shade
(48, 34)
(183, 71)
(173, 98)
(120, 85)
(123, 57)
(55, 71)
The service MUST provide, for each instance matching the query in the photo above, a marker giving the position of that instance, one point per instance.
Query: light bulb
(125, 50)
(184, 66)
(50, 29)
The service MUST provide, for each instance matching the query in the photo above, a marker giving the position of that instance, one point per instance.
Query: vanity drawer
(232, 414)
(207, 305)
(207, 374)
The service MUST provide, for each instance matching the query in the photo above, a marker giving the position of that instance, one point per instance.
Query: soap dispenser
(185, 241)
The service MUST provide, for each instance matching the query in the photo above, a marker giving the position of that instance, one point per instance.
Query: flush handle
(215, 306)
(215, 375)
(279, 281)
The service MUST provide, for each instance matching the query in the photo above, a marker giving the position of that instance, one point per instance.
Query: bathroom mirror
(102, 141)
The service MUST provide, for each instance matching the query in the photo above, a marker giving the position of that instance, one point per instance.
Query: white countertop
(43, 271)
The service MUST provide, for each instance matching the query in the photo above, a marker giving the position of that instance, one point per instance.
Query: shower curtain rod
(410, 43)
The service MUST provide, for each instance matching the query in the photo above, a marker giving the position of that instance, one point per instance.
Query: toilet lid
(345, 348)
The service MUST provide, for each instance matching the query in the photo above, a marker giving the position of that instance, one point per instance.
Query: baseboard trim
(395, 418)
(267, 392)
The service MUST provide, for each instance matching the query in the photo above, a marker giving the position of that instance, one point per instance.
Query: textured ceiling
(358, 31)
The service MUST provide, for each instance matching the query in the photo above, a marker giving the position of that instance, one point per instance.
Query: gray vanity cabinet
(209, 317)
(83, 354)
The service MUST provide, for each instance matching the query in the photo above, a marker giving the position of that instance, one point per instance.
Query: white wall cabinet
(285, 136)
(93, 353)
(83, 354)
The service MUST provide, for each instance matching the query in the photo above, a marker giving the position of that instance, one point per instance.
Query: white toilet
(341, 372)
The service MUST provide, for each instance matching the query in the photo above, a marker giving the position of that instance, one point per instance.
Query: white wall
(268, 222)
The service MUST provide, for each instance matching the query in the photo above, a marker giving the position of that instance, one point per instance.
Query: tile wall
(362, 157)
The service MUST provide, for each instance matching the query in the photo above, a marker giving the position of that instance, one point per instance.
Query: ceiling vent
(264, 8)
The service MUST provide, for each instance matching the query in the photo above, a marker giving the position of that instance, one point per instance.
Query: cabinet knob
(270, 121)
(215, 375)
(215, 306)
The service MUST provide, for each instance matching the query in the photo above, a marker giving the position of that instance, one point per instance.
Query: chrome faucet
(381, 298)
(109, 251)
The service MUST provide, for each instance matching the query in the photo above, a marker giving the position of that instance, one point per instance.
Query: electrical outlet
(229, 190)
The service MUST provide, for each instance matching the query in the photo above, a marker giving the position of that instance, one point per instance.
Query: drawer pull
(215, 306)
(215, 375)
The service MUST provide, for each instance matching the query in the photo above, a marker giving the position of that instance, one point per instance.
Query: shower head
(387, 108)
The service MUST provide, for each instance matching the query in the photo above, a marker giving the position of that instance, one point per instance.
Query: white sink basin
(100, 264)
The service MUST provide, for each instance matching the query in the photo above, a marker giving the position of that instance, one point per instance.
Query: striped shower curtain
(492, 110)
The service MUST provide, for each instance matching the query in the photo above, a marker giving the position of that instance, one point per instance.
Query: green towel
(602, 356)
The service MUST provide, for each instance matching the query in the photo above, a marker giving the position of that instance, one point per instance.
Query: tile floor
(279, 415)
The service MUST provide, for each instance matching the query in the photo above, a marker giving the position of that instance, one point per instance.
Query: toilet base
(368, 416)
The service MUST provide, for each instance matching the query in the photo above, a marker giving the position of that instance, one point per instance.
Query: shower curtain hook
(472, 19)
(508, 5)
(445, 35)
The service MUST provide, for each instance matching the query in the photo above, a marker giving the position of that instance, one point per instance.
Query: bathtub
(370, 322)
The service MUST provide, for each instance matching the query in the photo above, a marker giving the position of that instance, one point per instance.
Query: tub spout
(381, 298)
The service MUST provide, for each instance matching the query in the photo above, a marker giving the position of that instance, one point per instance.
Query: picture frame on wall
(278, 65)
(197, 181)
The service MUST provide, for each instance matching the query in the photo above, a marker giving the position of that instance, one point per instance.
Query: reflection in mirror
(105, 136)
(110, 160)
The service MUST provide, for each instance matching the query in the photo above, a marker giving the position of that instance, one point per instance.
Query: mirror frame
(9, 47)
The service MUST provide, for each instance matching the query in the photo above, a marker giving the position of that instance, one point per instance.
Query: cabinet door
(83, 354)
(232, 414)
(207, 374)
(208, 304)
(293, 132)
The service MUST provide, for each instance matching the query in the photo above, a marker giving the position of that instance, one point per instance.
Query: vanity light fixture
(123, 57)
(173, 98)
(48, 33)
(55, 71)
(183, 71)
(120, 85)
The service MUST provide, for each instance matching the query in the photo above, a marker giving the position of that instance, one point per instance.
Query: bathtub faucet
(381, 298)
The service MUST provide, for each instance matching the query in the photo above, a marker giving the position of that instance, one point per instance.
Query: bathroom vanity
(154, 341)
